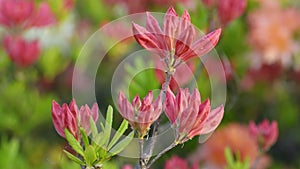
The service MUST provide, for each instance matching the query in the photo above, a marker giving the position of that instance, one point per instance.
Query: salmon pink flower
(140, 114)
(177, 41)
(233, 136)
(178, 163)
(272, 42)
(229, 10)
(189, 116)
(265, 133)
(72, 118)
(21, 52)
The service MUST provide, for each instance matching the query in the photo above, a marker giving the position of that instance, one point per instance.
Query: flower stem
(156, 123)
(161, 153)
(142, 161)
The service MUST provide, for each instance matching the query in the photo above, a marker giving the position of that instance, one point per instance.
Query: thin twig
(142, 159)
(156, 123)
(160, 154)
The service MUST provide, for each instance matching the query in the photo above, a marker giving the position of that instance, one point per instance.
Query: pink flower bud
(65, 117)
(265, 133)
(189, 116)
(229, 10)
(70, 117)
(140, 114)
(21, 52)
(85, 114)
(136, 102)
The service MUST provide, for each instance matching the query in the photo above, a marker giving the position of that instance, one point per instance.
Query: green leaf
(93, 127)
(99, 141)
(247, 163)
(52, 63)
(123, 127)
(102, 154)
(90, 155)
(229, 157)
(122, 144)
(73, 142)
(73, 158)
(108, 125)
(102, 126)
(84, 137)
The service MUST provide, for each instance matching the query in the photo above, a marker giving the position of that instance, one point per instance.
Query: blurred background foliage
(28, 139)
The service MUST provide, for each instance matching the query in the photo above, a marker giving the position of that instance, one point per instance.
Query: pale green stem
(161, 153)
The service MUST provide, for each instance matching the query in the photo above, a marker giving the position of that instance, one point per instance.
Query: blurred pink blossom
(24, 14)
(42, 17)
(265, 133)
(266, 73)
(189, 116)
(272, 29)
(130, 5)
(127, 166)
(229, 10)
(69, 4)
(235, 136)
(141, 113)
(179, 163)
(23, 53)
(14, 12)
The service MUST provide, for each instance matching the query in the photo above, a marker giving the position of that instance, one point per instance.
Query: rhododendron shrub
(191, 84)
(188, 115)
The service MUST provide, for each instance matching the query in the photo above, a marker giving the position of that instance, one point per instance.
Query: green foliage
(90, 155)
(17, 93)
(94, 10)
(74, 158)
(100, 148)
(8, 153)
(73, 142)
(142, 82)
(234, 41)
(123, 127)
(52, 63)
(234, 160)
